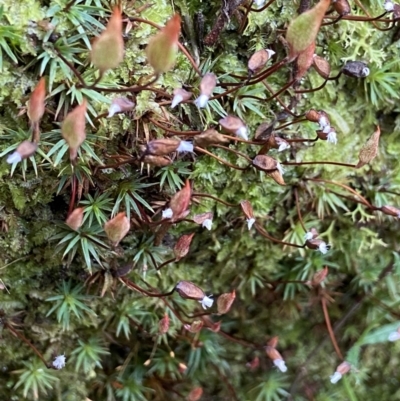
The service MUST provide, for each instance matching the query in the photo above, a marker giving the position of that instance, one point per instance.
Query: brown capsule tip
(207, 84)
(390, 211)
(163, 325)
(272, 353)
(225, 301)
(321, 66)
(75, 219)
(117, 228)
(181, 248)
(188, 290)
(162, 147)
(247, 209)
(210, 137)
(273, 342)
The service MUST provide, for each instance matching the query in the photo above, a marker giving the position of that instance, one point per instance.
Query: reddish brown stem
(262, 231)
(234, 151)
(329, 327)
(346, 187)
(166, 263)
(198, 149)
(302, 140)
(318, 162)
(73, 194)
(280, 101)
(291, 123)
(215, 198)
(27, 342)
(287, 86)
(133, 286)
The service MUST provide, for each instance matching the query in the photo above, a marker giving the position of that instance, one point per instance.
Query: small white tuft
(323, 122)
(335, 377)
(242, 133)
(59, 362)
(176, 100)
(283, 146)
(270, 52)
(394, 336)
(332, 138)
(114, 108)
(388, 6)
(167, 213)
(14, 158)
(365, 72)
(201, 101)
(207, 223)
(326, 129)
(280, 364)
(185, 146)
(280, 168)
(207, 302)
(259, 3)
(323, 247)
(308, 236)
(250, 223)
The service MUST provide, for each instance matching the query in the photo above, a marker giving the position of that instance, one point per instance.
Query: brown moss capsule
(117, 228)
(179, 203)
(188, 290)
(210, 137)
(319, 276)
(207, 85)
(264, 131)
(369, 150)
(162, 147)
(342, 7)
(158, 161)
(73, 129)
(181, 248)
(205, 219)
(273, 342)
(195, 327)
(36, 105)
(317, 243)
(313, 115)
(120, 105)
(265, 163)
(304, 61)
(163, 325)
(75, 219)
(276, 358)
(24, 150)
(180, 95)
(277, 177)
(258, 60)
(390, 210)
(322, 66)
(195, 394)
(108, 48)
(234, 125)
(247, 209)
(225, 301)
(355, 69)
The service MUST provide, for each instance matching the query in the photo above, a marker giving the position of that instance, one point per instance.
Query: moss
(271, 296)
